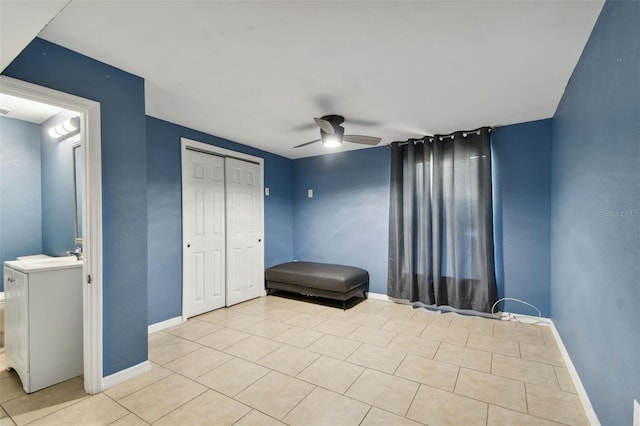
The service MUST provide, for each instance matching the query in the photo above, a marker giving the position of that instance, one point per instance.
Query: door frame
(221, 152)
(89, 112)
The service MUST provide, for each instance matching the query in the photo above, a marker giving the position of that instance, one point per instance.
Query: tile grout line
(412, 401)
(365, 415)
(352, 383)
(62, 408)
(184, 403)
(526, 397)
(207, 388)
(298, 403)
(125, 408)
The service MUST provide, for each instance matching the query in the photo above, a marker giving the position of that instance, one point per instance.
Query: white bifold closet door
(204, 263)
(222, 222)
(245, 269)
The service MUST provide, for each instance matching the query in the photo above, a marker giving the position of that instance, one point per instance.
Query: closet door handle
(259, 240)
(188, 245)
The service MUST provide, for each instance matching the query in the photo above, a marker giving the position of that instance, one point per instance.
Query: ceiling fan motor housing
(335, 120)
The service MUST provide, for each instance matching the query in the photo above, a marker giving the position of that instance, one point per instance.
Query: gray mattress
(318, 279)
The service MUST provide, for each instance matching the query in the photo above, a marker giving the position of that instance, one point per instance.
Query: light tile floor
(274, 361)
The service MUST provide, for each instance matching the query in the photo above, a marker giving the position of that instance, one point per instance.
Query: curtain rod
(441, 137)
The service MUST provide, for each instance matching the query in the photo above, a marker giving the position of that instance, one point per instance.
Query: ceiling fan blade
(307, 143)
(363, 140)
(363, 122)
(303, 127)
(325, 125)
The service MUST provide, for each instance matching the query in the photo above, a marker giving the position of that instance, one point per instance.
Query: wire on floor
(505, 316)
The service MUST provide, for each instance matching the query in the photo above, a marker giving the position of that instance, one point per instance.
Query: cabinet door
(16, 321)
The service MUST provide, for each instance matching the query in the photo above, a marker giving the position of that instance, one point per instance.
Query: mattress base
(309, 291)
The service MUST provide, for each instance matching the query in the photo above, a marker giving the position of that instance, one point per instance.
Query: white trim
(89, 112)
(540, 320)
(386, 298)
(582, 392)
(126, 374)
(163, 325)
(220, 151)
(378, 296)
(204, 147)
(528, 319)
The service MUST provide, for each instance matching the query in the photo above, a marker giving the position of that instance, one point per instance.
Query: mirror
(77, 186)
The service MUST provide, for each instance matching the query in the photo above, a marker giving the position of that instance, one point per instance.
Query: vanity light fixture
(68, 127)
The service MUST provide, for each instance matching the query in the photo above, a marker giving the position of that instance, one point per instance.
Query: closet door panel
(203, 233)
(245, 266)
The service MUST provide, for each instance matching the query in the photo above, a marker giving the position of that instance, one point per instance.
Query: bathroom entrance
(74, 129)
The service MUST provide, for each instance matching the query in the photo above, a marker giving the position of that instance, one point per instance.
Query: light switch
(310, 193)
(266, 191)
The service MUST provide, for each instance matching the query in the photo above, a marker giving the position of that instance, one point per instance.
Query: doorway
(91, 208)
(223, 227)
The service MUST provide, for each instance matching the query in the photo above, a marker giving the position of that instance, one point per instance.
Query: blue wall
(522, 214)
(124, 182)
(347, 220)
(20, 190)
(58, 234)
(165, 212)
(595, 214)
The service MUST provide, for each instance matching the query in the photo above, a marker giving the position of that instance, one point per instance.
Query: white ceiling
(258, 72)
(21, 21)
(26, 110)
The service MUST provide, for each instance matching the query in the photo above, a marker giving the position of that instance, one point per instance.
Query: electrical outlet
(266, 191)
(310, 193)
(636, 413)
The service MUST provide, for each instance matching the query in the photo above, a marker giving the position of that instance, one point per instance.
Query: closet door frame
(222, 152)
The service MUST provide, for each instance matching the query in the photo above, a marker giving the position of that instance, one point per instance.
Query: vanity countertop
(42, 263)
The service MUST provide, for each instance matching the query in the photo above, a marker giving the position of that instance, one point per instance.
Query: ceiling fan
(332, 133)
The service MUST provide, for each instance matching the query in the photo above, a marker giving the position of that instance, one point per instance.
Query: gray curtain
(441, 221)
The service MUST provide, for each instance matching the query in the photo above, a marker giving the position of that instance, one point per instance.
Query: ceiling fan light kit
(331, 141)
(334, 139)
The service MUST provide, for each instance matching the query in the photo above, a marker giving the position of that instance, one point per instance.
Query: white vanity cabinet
(43, 321)
(16, 330)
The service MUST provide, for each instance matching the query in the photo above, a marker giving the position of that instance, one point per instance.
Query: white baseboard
(159, 326)
(378, 296)
(124, 375)
(582, 393)
(526, 319)
(384, 297)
